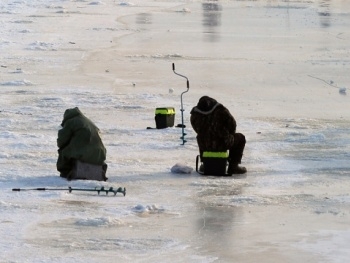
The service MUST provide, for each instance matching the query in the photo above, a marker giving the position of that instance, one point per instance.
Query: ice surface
(281, 67)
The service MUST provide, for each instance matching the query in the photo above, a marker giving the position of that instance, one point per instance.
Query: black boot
(235, 169)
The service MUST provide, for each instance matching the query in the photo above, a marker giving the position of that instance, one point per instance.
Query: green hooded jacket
(79, 139)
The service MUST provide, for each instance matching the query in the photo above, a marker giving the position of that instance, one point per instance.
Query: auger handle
(19, 189)
(187, 82)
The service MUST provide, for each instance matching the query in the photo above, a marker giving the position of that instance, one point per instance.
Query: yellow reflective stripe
(215, 154)
(165, 111)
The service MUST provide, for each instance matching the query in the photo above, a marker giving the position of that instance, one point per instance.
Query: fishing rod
(182, 109)
(70, 189)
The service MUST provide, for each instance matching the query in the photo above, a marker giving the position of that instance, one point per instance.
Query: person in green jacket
(79, 139)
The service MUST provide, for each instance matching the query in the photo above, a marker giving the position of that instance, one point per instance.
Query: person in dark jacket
(78, 139)
(216, 131)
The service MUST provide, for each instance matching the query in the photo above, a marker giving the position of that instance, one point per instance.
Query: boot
(235, 169)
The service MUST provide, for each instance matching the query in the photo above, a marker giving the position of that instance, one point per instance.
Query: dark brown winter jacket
(214, 125)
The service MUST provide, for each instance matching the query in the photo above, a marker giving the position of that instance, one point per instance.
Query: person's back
(78, 140)
(213, 124)
(216, 131)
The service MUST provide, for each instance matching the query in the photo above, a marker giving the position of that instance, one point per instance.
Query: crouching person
(81, 153)
(216, 132)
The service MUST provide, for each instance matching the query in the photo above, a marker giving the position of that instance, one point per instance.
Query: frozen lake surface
(281, 67)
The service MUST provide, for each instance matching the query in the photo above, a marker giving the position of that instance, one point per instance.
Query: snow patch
(151, 209)
(96, 3)
(43, 46)
(98, 222)
(126, 4)
(181, 169)
(17, 83)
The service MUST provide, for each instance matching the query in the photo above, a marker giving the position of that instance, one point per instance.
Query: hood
(70, 113)
(206, 105)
